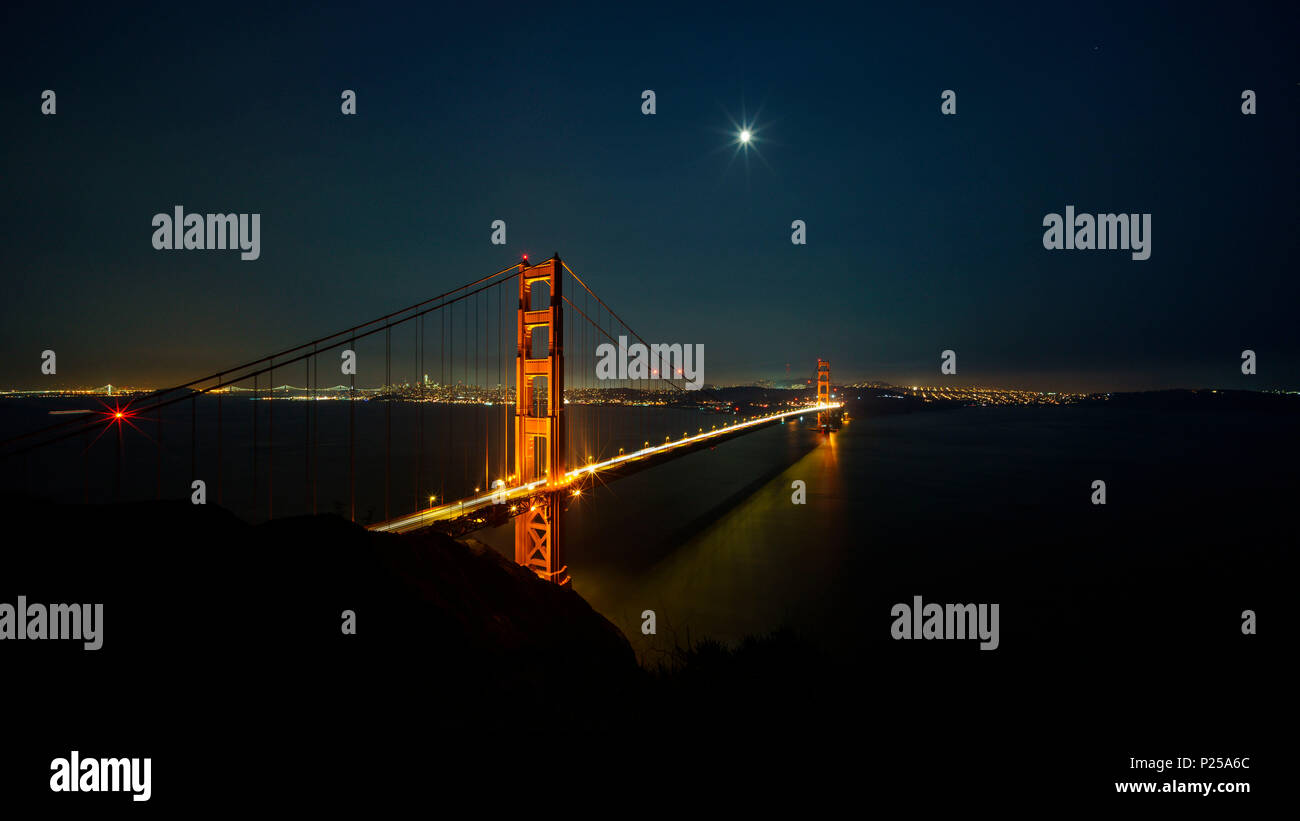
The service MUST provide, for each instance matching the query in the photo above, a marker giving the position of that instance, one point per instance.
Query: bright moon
(744, 136)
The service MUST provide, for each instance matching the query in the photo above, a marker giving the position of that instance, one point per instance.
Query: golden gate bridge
(566, 430)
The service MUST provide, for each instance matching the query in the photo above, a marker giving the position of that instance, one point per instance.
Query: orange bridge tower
(823, 391)
(539, 420)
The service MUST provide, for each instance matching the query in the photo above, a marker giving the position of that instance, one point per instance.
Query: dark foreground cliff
(223, 651)
(224, 659)
(191, 591)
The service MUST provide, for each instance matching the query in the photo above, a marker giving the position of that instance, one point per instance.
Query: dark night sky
(924, 231)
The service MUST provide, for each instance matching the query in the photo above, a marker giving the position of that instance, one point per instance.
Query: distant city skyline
(807, 385)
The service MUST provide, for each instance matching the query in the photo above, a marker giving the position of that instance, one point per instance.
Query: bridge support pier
(539, 420)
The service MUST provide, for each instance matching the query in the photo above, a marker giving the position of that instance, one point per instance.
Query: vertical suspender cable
(270, 446)
(501, 389)
(254, 511)
(220, 442)
(465, 370)
(352, 434)
(314, 423)
(388, 418)
(306, 430)
(415, 454)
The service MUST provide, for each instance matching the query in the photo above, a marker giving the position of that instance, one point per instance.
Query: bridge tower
(823, 390)
(539, 420)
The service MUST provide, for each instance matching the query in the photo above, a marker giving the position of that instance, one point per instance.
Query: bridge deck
(512, 496)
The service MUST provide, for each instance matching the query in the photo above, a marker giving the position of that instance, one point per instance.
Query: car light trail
(452, 510)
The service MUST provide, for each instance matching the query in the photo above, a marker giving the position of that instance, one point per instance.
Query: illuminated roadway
(454, 510)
